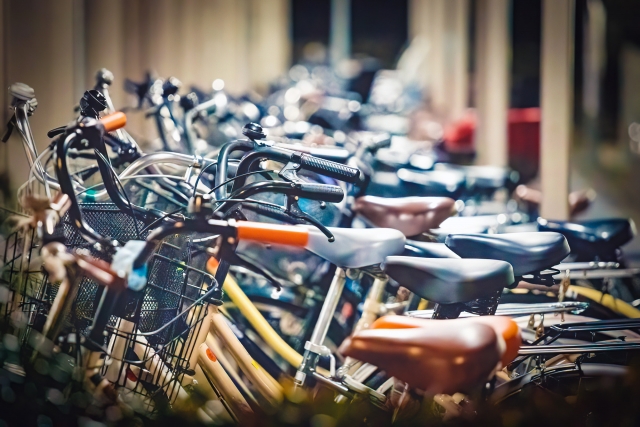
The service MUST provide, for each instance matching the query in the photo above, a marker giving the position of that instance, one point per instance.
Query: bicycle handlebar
(229, 230)
(328, 168)
(274, 212)
(334, 154)
(321, 192)
(323, 167)
(223, 160)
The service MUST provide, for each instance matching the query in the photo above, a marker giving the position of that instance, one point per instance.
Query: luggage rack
(544, 346)
(520, 309)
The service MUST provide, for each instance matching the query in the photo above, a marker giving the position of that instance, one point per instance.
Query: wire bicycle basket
(151, 340)
(22, 286)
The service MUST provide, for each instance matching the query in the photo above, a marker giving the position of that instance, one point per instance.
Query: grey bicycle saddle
(526, 252)
(449, 281)
(356, 247)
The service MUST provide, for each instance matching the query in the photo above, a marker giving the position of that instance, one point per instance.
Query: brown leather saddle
(411, 215)
(437, 356)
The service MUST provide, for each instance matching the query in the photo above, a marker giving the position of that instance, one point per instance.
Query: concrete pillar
(160, 41)
(79, 48)
(556, 100)
(4, 153)
(418, 22)
(444, 26)
(105, 44)
(457, 51)
(56, 47)
(418, 17)
(492, 81)
(270, 44)
(594, 55)
(213, 44)
(438, 93)
(340, 32)
(39, 43)
(427, 22)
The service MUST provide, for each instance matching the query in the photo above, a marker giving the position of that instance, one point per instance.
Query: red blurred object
(523, 134)
(458, 136)
(524, 141)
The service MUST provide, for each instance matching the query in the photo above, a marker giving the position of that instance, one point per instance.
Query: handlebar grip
(322, 192)
(114, 121)
(272, 233)
(331, 169)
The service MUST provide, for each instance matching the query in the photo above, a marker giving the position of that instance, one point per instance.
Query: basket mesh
(161, 321)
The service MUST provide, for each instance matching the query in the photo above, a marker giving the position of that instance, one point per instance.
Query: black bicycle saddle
(450, 281)
(526, 252)
(447, 183)
(600, 236)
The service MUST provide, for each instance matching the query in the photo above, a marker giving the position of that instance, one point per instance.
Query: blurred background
(480, 69)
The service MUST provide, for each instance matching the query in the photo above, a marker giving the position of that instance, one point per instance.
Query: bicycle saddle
(507, 330)
(595, 236)
(449, 281)
(428, 250)
(411, 215)
(467, 224)
(356, 247)
(526, 252)
(451, 358)
(579, 200)
(484, 177)
(435, 183)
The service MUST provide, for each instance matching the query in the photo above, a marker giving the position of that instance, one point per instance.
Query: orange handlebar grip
(114, 121)
(272, 233)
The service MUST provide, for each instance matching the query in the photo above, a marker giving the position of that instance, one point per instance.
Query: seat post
(314, 348)
(481, 307)
(371, 306)
(447, 311)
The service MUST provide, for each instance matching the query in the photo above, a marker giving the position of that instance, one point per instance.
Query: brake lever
(290, 172)
(294, 210)
(56, 131)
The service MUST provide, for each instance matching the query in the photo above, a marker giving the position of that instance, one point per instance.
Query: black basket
(155, 330)
(109, 221)
(24, 296)
(152, 336)
(152, 339)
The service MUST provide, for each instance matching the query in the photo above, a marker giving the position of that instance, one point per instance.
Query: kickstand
(294, 210)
